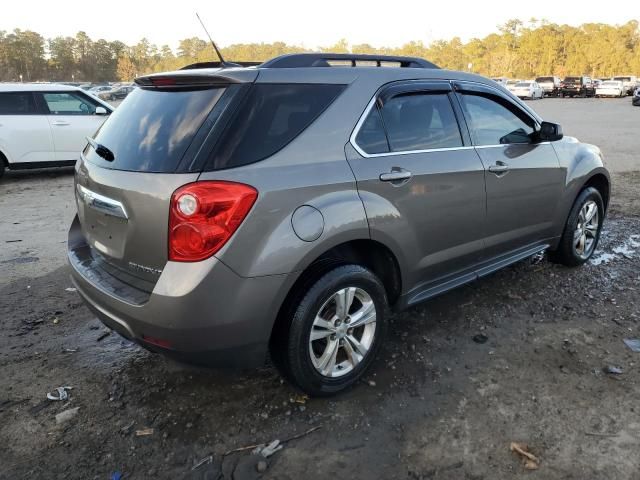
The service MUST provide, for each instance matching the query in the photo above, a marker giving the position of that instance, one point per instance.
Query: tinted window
(371, 137)
(271, 116)
(493, 121)
(544, 79)
(420, 122)
(69, 103)
(151, 131)
(17, 103)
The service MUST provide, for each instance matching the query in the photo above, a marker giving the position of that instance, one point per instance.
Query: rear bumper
(201, 312)
(573, 91)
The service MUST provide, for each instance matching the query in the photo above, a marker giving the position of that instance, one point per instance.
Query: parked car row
(571, 86)
(105, 91)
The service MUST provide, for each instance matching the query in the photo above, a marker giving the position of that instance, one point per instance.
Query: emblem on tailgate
(144, 268)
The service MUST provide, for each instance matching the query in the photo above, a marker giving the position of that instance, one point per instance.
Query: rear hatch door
(154, 142)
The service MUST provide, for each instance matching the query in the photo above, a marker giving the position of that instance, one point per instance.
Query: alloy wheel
(343, 332)
(586, 232)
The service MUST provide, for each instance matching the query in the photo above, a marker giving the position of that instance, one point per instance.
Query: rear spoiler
(197, 78)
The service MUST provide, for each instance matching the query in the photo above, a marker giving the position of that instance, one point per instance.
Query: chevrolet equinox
(287, 209)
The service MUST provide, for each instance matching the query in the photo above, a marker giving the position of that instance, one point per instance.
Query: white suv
(45, 125)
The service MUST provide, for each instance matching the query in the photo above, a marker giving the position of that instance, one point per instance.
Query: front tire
(334, 331)
(582, 230)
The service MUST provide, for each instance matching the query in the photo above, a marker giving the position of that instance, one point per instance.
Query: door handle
(499, 168)
(61, 124)
(396, 175)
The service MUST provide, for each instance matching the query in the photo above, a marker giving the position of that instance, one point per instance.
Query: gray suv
(289, 208)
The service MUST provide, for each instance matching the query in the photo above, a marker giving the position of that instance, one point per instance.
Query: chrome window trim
(502, 145)
(363, 117)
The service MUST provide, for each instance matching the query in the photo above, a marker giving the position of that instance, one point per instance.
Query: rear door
(524, 181)
(25, 135)
(72, 116)
(421, 182)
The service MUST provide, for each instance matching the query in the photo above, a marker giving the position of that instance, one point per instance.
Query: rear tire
(317, 348)
(582, 231)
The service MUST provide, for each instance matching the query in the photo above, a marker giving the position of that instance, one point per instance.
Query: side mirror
(101, 111)
(550, 132)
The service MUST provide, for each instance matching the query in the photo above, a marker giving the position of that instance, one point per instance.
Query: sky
(309, 24)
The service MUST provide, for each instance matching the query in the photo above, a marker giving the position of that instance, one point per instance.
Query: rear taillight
(203, 217)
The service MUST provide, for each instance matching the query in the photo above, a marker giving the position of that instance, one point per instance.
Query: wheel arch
(4, 159)
(368, 253)
(602, 183)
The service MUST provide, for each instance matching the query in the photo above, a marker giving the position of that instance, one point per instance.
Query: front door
(421, 183)
(524, 180)
(72, 116)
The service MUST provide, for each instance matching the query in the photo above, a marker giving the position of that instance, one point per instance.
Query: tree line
(517, 49)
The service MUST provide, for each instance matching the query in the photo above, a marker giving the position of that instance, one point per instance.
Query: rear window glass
(17, 103)
(420, 122)
(623, 79)
(572, 79)
(270, 117)
(152, 129)
(544, 79)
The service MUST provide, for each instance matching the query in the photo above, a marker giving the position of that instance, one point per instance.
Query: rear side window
(420, 122)
(371, 137)
(17, 103)
(152, 129)
(270, 117)
(69, 103)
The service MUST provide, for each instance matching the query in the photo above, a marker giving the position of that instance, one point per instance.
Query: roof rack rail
(196, 66)
(299, 60)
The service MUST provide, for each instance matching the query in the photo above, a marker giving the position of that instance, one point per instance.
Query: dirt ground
(437, 404)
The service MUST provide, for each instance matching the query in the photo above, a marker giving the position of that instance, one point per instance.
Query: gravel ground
(437, 403)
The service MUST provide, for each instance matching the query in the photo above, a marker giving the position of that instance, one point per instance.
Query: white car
(630, 83)
(611, 88)
(45, 125)
(511, 84)
(528, 89)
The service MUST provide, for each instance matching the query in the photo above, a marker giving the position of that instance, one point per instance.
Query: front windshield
(523, 84)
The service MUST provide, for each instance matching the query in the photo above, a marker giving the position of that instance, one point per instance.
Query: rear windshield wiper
(101, 150)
